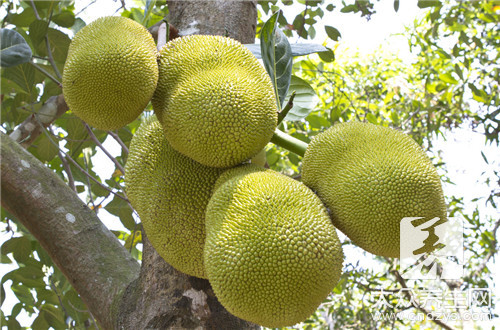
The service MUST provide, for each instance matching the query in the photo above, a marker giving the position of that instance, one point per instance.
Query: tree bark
(89, 255)
(235, 19)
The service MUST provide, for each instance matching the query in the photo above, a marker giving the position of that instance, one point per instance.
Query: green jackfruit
(371, 177)
(111, 72)
(214, 100)
(170, 193)
(272, 254)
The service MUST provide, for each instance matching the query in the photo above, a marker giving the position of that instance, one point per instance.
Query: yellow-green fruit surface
(214, 100)
(170, 193)
(371, 177)
(272, 254)
(111, 72)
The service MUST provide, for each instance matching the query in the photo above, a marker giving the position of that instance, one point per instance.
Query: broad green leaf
(332, 33)
(37, 32)
(23, 75)
(23, 293)
(277, 57)
(14, 49)
(79, 24)
(23, 19)
(65, 18)
(448, 78)
(46, 150)
(121, 209)
(20, 247)
(54, 316)
(371, 118)
(305, 99)
(59, 44)
(327, 56)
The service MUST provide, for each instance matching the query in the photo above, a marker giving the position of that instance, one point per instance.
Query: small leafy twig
(99, 144)
(491, 251)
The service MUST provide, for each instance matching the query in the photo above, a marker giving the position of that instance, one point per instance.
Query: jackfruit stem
(288, 142)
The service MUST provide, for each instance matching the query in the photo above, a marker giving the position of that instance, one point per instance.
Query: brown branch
(410, 297)
(162, 36)
(120, 142)
(99, 144)
(30, 129)
(89, 255)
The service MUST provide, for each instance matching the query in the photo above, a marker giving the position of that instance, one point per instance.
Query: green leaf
(396, 5)
(459, 71)
(428, 3)
(79, 24)
(14, 49)
(277, 57)
(371, 118)
(305, 99)
(59, 44)
(20, 247)
(65, 18)
(448, 78)
(349, 9)
(327, 56)
(23, 75)
(332, 33)
(23, 19)
(54, 316)
(37, 32)
(46, 150)
(121, 209)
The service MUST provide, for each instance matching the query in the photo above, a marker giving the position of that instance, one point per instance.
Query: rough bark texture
(235, 19)
(88, 254)
(164, 298)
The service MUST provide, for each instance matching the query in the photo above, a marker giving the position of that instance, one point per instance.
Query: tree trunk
(116, 292)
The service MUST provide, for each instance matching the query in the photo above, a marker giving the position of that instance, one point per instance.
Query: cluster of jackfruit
(266, 242)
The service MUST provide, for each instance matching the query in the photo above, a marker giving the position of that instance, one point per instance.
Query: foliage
(453, 81)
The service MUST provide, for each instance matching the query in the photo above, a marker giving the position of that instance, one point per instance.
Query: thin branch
(67, 169)
(82, 170)
(120, 142)
(88, 184)
(410, 297)
(47, 44)
(99, 144)
(42, 70)
(85, 8)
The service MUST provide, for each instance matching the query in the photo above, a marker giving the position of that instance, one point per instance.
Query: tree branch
(30, 128)
(89, 255)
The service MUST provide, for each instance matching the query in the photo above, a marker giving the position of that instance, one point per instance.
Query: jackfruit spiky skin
(272, 254)
(214, 100)
(170, 192)
(111, 72)
(371, 177)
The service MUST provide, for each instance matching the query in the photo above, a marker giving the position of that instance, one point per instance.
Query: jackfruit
(111, 72)
(371, 177)
(214, 100)
(170, 193)
(272, 254)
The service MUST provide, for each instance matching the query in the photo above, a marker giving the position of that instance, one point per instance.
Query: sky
(461, 149)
